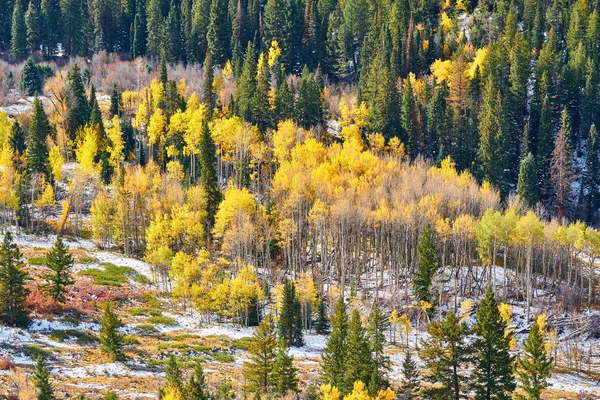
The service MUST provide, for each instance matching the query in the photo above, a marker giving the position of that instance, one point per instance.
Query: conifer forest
(299, 199)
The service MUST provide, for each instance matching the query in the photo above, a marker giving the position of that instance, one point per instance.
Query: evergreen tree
(5, 24)
(37, 147)
(428, 264)
(173, 42)
(261, 108)
(492, 377)
(359, 364)
(33, 23)
(591, 176)
(173, 376)
(209, 77)
(115, 102)
(110, 395)
(200, 20)
(333, 359)
(322, 322)
(18, 37)
(284, 98)
(78, 110)
(154, 28)
(111, 340)
(283, 376)
(527, 186)
(196, 388)
(138, 44)
(535, 366)
(17, 143)
(408, 118)
(218, 33)
(60, 261)
(446, 355)
(51, 18)
(309, 108)
(262, 353)
(561, 169)
(290, 316)
(376, 329)
(208, 179)
(245, 85)
(31, 78)
(41, 380)
(73, 32)
(13, 292)
(410, 379)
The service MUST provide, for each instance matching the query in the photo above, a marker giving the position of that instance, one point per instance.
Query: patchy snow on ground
(313, 347)
(44, 325)
(139, 266)
(232, 331)
(574, 383)
(108, 369)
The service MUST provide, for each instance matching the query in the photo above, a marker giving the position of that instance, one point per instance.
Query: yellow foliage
(387, 394)
(117, 145)
(329, 392)
(56, 162)
(227, 70)
(87, 150)
(479, 60)
(157, 126)
(359, 392)
(47, 198)
(446, 23)
(505, 312)
(274, 53)
(441, 70)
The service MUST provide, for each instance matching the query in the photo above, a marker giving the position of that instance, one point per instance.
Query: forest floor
(156, 327)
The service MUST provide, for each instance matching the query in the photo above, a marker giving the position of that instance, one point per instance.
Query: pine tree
(173, 376)
(60, 261)
(13, 292)
(446, 354)
(209, 181)
(41, 379)
(110, 395)
(31, 78)
(410, 378)
(290, 316)
(283, 376)
(218, 33)
(115, 102)
(408, 118)
(591, 176)
(322, 322)
(78, 110)
(333, 359)
(376, 329)
(262, 354)
(111, 340)
(37, 147)
(52, 23)
(492, 376)
(154, 28)
(309, 108)
(74, 27)
(535, 366)
(428, 264)
(5, 24)
(245, 85)
(17, 139)
(359, 363)
(18, 37)
(527, 185)
(261, 108)
(209, 77)
(33, 24)
(561, 169)
(196, 388)
(138, 45)
(173, 41)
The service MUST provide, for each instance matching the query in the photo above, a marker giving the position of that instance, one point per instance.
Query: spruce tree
(74, 26)
(408, 118)
(376, 329)
(561, 169)
(290, 316)
(428, 264)
(60, 261)
(31, 78)
(309, 108)
(260, 106)
(218, 33)
(245, 85)
(262, 353)
(527, 185)
(154, 28)
(333, 359)
(410, 376)
(283, 376)
(52, 23)
(78, 110)
(37, 147)
(110, 395)
(41, 380)
(111, 340)
(535, 366)
(208, 178)
(359, 363)
(196, 388)
(18, 37)
(322, 322)
(446, 355)
(13, 292)
(173, 41)
(173, 376)
(591, 176)
(115, 102)
(492, 375)
(17, 139)
(209, 77)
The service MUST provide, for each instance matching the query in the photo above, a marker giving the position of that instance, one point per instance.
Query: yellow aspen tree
(87, 150)
(116, 147)
(56, 163)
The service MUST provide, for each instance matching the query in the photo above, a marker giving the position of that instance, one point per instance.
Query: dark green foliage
(359, 363)
(74, 29)
(18, 37)
(110, 395)
(41, 379)
(17, 139)
(262, 354)
(410, 378)
(321, 324)
(196, 388)
(290, 316)
(173, 41)
(376, 329)
(31, 78)
(153, 28)
(246, 84)
(37, 147)
(13, 292)
(78, 110)
(209, 77)
(208, 178)
(591, 176)
(535, 366)
(309, 108)
(51, 18)
(260, 106)
(111, 340)
(33, 23)
(283, 376)
(173, 375)
(492, 375)
(333, 359)
(428, 264)
(115, 102)
(60, 261)
(528, 184)
(446, 354)
(218, 33)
